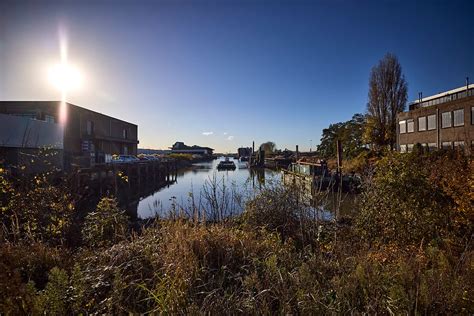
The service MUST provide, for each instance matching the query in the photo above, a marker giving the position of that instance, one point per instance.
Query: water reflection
(195, 186)
(190, 182)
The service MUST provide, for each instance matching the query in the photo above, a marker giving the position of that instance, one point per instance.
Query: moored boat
(226, 165)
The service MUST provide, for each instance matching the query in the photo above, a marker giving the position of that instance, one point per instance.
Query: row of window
(90, 129)
(47, 118)
(427, 123)
(447, 98)
(432, 146)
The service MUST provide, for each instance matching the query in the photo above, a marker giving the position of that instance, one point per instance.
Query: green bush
(401, 204)
(35, 210)
(106, 226)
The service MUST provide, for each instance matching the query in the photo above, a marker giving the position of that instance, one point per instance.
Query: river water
(194, 181)
(193, 186)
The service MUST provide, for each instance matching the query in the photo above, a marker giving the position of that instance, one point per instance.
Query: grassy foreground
(409, 250)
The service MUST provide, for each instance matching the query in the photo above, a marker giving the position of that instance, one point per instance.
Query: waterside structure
(78, 137)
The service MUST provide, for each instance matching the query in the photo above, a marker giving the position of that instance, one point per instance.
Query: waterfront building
(444, 120)
(181, 148)
(82, 139)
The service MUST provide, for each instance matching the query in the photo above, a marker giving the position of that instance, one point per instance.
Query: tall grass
(280, 256)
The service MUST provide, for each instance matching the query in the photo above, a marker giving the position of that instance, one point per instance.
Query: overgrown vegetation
(407, 251)
(185, 157)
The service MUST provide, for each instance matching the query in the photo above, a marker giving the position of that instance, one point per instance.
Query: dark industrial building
(444, 120)
(85, 137)
(181, 148)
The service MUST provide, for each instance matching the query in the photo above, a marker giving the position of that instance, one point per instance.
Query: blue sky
(243, 70)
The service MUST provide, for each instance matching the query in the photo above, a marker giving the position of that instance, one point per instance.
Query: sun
(65, 77)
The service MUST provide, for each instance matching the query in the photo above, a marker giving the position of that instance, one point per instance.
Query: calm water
(241, 181)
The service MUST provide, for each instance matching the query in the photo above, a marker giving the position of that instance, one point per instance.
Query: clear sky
(224, 73)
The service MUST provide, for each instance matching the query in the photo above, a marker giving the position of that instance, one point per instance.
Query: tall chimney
(296, 152)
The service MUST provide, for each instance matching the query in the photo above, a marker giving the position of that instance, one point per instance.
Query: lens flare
(65, 77)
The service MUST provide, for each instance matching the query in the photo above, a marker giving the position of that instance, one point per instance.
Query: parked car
(147, 158)
(124, 159)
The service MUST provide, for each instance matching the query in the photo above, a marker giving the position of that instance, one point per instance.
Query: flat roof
(443, 94)
(71, 104)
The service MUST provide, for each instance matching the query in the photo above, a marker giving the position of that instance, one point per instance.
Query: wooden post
(339, 156)
(297, 152)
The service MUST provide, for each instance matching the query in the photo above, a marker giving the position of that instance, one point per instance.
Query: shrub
(402, 205)
(186, 157)
(24, 271)
(283, 209)
(35, 210)
(106, 226)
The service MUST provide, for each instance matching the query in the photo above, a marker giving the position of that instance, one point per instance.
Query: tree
(387, 97)
(268, 147)
(349, 133)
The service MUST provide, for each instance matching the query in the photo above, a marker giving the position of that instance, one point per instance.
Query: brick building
(84, 139)
(444, 120)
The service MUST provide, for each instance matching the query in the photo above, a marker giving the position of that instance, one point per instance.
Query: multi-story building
(444, 120)
(83, 138)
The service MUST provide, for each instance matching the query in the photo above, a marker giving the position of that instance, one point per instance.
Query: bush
(285, 210)
(35, 210)
(24, 272)
(402, 204)
(106, 226)
(186, 157)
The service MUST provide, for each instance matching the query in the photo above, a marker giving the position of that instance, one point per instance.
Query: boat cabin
(310, 168)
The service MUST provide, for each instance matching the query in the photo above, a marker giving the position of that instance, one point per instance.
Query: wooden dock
(112, 177)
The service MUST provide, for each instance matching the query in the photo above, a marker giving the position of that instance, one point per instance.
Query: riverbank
(407, 251)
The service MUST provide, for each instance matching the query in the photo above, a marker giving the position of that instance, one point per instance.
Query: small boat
(226, 165)
(316, 177)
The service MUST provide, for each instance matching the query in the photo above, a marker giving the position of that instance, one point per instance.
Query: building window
(49, 118)
(410, 126)
(125, 133)
(472, 115)
(432, 146)
(409, 148)
(422, 123)
(459, 144)
(403, 148)
(431, 122)
(89, 127)
(458, 117)
(446, 120)
(403, 127)
(446, 145)
(27, 115)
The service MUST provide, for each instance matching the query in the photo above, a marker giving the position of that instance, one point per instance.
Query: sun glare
(65, 77)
